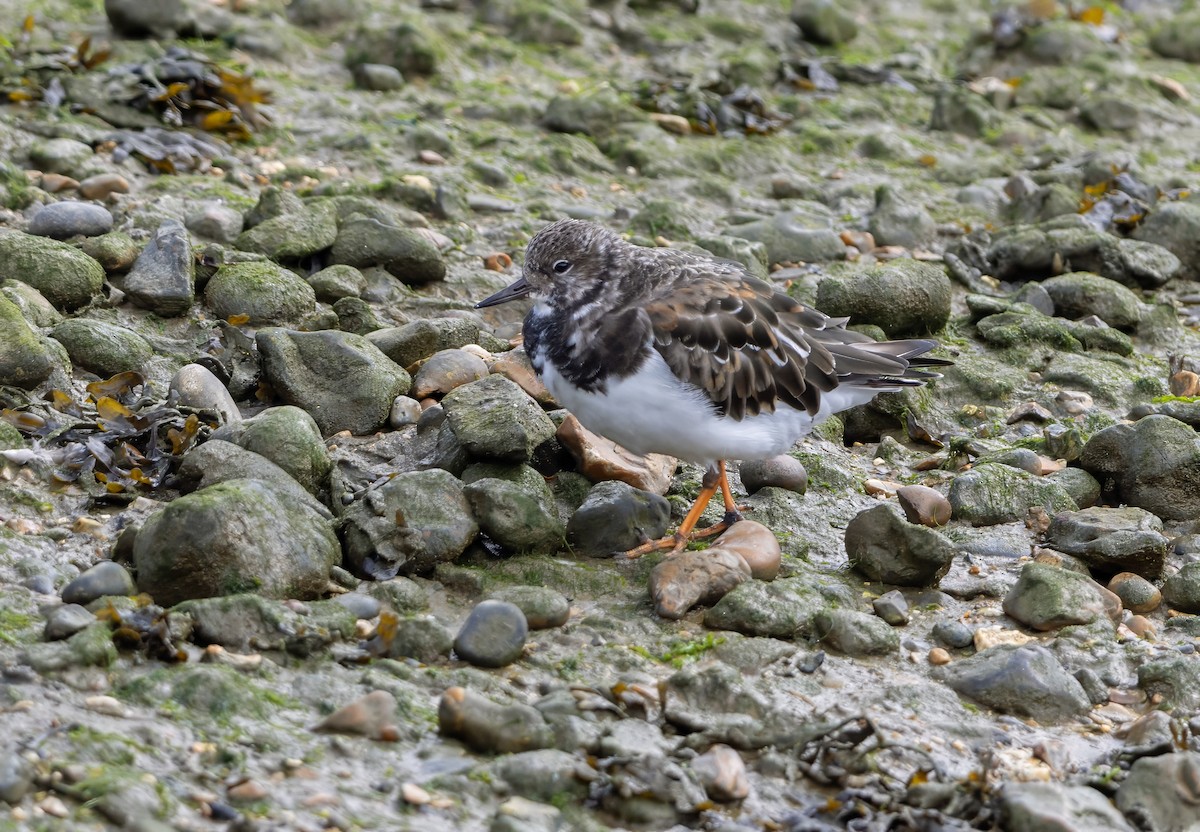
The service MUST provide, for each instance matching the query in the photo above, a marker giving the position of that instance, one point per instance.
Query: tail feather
(886, 364)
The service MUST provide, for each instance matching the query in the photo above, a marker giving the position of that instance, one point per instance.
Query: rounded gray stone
(902, 297)
(102, 348)
(493, 635)
(105, 578)
(65, 621)
(194, 385)
(616, 517)
(781, 471)
(61, 220)
(543, 606)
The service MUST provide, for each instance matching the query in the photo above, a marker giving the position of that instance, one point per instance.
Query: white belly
(652, 411)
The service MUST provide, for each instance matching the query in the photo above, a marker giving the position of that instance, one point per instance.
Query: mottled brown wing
(746, 345)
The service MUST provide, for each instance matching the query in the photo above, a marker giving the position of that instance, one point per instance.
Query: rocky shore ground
(292, 538)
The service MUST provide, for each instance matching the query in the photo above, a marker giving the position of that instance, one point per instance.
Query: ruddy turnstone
(668, 352)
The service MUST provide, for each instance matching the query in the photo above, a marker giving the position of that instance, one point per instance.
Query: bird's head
(566, 261)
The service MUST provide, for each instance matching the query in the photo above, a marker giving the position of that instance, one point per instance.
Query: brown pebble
(103, 186)
(781, 471)
(1142, 627)
(53, 183)
(924, 505)
(722, 773)
(431, 157)
(514, 365)
(247, 791)
(1136, 593)
(684, 580)
(939, 656)
(368, 716)
(864, 241)
(756, 545)
(497, 261)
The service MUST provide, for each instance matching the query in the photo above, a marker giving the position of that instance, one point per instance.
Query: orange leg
(714, 478)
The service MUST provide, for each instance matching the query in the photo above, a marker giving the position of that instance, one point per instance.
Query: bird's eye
(561, 266)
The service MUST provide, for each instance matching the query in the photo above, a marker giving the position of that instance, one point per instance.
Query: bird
(665, 351)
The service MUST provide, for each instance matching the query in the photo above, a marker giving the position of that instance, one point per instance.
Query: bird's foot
(677, 542)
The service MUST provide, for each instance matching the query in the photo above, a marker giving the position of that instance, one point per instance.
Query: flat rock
(1112, 539)
(1026, 680)
(495, 419)
(61, 220)
(601, 459)
(1044, 807)
(686, 579)
(489, 727)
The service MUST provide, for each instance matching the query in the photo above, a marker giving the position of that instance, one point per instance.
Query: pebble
(405, 411)
(682, 581)
(53, 183)
(493, 634)
(103, 185)
(66, 621)
(939, 656)
(954, 634)
(885, 547)
(1182, 590)
(892, 608)
(105, 578)
(197, 387)
(489, 727)
(616, 517)
(41, 584)
(107, 705)
(722, 773)
(519, 814)
(373, 716)
(362, 605)
(756, 545)
(1137, 594)
(16, 776)
(445, 370)
(60, 220)
(924, 505)
(215, 221)
(1074, 402)
(781, 471)
(986, 637)
(248, 791)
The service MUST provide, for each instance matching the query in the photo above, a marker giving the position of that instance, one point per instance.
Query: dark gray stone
(64, 275)
(989, 494)
(60, 220)
(163, 278)
(902, 297)
(236, 536)
(268, 293)
(892, 608)
(1049, 807)
(1152, 464)
(103, 348)
(1163, 792)
(495, 419)
(403, 252)
(1048, 597)
(779, 471)
(544, 607)
(885, 547)
(855, 633)
(409, 524)
(67, 620)
(1126, 539)
(493, 635)
(1024, 680)
(1181, 591)
(616, 517)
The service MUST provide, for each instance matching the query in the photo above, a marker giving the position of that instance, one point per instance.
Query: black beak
(517, 289)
